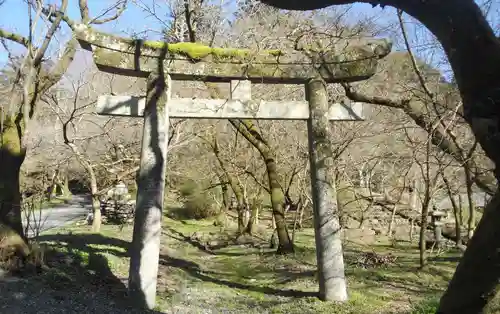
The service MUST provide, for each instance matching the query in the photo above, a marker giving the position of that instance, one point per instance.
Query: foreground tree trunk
(474, 54)
(475, 275)
(11, 158)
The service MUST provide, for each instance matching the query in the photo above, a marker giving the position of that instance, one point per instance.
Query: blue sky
(13, 17)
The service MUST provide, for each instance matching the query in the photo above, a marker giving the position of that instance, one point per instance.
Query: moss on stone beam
(195, 51)
(346, 61)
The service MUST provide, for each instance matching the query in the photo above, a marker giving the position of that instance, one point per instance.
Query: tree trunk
(460, 209)
(391, 222)
(53, 186)
(97, 218)
(277, 200)
(96, 204)
(298, 213)
(343, 216)
(252, 221)
(471, 222)
(241, 218)
(240, 199)
(249, 131)
(65, 185)
(235, 186)
(423, 230)
(273, 243)
(456, 208)
(11, 158)
(226, 198)
(458, 227)
(411, 230)
(301, 216)
(478, 276)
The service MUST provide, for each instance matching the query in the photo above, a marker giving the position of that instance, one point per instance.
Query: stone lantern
(437, 223)
(120, 192)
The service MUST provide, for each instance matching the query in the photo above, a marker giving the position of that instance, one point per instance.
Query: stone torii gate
(161, 63)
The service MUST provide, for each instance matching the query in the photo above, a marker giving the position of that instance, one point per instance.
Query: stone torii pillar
(145, 249)
(329, 254)
(351, 60)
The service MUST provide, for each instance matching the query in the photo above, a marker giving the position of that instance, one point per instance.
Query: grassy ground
(54, 202)
(35, 204)
(242, 277)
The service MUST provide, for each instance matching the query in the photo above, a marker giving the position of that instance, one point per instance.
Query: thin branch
(50, 34)
(120, 8)
(84, 11)
(412, 56)
(14, 37)
(190, 22)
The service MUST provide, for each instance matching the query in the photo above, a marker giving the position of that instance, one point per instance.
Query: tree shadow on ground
(77, 279)
(378, 280)
(194, 270)
(454, 259)
(214, 246)
(179, 236)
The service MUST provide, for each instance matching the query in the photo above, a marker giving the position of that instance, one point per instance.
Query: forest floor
(201, 272)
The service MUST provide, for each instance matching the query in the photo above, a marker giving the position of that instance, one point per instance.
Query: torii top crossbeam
(345, 61)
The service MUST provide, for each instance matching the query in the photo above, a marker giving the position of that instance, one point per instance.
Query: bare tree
(34, 77)
(81, 128)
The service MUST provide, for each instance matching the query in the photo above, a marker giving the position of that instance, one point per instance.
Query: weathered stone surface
(327, 229)
(145, 247)
(132, 106)
(348, 60)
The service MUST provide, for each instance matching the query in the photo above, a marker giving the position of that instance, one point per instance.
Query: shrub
(199, 207)
(188, 188)
(196, 202)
